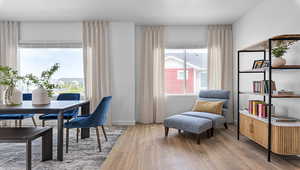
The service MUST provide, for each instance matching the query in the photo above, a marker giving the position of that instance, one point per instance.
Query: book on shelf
(259, 108)
(262, 86)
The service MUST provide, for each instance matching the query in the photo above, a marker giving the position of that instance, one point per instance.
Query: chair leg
(104, 133)
(43, 123)
(225, 125)
(20, 123)
(98, 139)
(179, 131)
(34, 123)
(16, 123)
(198, 139)
(207, 133)
(67, 140)
(77, 134)
(166, 131)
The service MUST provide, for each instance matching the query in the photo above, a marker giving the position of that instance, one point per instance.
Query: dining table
(58, 107)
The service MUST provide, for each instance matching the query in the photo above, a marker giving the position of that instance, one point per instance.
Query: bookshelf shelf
(265, 125)
(287, 67)
(252, 71)
(264, 45)
(273, 96)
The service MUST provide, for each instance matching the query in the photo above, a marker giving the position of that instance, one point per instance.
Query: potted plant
(279, 51)
(44, 91)
(9, 79)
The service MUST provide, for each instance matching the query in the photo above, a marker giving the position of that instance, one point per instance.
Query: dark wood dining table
(58, 107)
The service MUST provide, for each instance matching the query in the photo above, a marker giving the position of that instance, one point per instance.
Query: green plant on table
(44, 80)
(9, 77)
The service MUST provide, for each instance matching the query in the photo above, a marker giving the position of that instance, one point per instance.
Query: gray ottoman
(191, 124)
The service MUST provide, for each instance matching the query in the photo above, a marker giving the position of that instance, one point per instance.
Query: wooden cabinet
(285, 139)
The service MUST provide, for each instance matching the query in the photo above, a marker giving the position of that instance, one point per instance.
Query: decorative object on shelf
(44, 92)
(285, 92)
(281, 48)
(9, 78)
(260, 64)
(278, 118)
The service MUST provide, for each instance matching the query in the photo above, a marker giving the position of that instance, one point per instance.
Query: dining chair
(96, 119)
(67, 115)
(19, 116)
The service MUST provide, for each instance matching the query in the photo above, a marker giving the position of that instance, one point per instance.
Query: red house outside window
(185, 70)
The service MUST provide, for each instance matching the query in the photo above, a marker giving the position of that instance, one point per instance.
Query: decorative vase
(12, 96)
(278, 61)
(40, 96)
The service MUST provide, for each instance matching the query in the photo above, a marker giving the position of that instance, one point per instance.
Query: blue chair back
(69, 96)
(27, 96)
(99, 116)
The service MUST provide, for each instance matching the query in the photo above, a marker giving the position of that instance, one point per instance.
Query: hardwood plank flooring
(144, 147)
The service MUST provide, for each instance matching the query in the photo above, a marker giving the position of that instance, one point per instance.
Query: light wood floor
(144, 147)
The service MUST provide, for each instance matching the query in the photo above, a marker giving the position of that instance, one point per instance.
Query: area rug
(82, 156)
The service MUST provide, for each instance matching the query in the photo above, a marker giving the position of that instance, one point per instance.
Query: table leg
(60, 137)
(85, 110)
(47, 146)
(28, 155)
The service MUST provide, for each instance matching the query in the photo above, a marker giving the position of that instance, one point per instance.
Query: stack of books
(258, 108)
(263, 86)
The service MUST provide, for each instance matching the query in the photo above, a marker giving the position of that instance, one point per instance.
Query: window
(185, 70)
(70, 74)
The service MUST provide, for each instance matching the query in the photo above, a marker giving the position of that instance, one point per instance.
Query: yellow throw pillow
(208, 106)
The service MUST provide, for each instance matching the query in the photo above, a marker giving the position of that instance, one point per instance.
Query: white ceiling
(172, 12)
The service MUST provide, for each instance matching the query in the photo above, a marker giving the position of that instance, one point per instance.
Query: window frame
(37, 45)
(186, 71)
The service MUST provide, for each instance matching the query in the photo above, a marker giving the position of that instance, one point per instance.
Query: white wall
(122, 58)
(267, 19)
(50, 32)
(175, 37)
(123, 72)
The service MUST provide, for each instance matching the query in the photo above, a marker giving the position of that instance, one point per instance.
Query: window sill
(181, 95)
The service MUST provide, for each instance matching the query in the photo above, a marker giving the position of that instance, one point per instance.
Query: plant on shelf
(44, 92)
(9, 78)
(278, 51)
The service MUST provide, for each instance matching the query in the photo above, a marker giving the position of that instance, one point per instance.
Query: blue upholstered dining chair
(67, 115)
(96, 119)
(20, 117)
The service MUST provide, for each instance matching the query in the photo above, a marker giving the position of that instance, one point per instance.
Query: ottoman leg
(198, 139)
(166, 131)
(212, 131)
(225, 125)
(179, 131)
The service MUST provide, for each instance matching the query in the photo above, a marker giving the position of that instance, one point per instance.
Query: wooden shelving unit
(285, 141)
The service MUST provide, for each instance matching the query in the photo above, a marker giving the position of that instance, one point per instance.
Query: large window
(185, 70)
(70, 74)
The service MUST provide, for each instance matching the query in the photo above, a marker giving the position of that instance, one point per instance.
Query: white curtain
(152, 89)
(95, 35)
(220, 57)
(9, 36)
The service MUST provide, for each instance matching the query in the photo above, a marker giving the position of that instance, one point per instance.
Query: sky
(36, 60)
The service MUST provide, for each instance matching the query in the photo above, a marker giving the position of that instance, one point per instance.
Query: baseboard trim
(129, 123)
